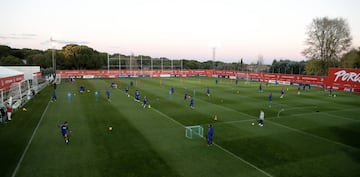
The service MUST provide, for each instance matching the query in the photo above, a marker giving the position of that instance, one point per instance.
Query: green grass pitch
(311, 134)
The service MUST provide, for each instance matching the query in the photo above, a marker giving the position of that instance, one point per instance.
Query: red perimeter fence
(338, 78)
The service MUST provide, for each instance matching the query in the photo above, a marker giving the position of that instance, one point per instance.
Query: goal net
(194, 131)
(17, 94)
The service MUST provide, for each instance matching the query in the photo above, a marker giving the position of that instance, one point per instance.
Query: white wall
(27, 70)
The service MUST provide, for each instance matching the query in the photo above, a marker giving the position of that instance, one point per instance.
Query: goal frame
(194, 131)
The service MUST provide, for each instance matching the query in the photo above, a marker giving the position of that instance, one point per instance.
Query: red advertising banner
(338, 78)
(6, 82)
(263, 77)
(344, 79)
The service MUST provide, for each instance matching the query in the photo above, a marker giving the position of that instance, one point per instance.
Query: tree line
(328, 43)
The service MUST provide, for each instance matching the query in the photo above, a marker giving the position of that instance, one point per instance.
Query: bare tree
(327, 40)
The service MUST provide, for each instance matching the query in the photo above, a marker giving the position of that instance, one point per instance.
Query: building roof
(6, 72)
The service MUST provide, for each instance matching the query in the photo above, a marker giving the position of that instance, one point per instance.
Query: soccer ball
(110, 128)
(334, 95)
(88, 91)
(149, 106)
(24, 109)
(253, 123)
(128, 95)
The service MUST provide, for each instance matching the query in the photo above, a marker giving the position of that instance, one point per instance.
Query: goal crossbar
(194, 131)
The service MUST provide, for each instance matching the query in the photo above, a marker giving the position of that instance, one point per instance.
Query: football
(110, 128)
(253, 123)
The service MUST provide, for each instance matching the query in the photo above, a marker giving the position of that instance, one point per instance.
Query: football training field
(310, 134)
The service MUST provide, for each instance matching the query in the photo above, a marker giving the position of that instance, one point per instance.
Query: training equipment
(110, 128)
(215, 118)
(194, 131)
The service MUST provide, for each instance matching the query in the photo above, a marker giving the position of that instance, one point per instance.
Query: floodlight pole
(53, 55)
(213, 56)
(162, 65)
(108, 59)
(151, 61)
(181, 64)
(119, 64)
(172, 65)
(130, 63)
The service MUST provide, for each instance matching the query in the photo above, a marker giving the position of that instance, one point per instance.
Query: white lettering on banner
(351, 76)
(309, 78)
(8, 81)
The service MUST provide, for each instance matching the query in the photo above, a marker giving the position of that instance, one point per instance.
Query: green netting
(194, 131)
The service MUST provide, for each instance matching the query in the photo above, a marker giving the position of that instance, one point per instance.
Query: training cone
(215, 118)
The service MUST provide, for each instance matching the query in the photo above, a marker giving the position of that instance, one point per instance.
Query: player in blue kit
(108, 95)
(137, 96)
(172, 90)
(208, 91)
(260, 88)
(127, 90)
(282, 93)
(53, 96)
(144, 102)
(113, 85)
(210, 135)
(192, 103)
(64, 128)
(82, 89)
(185, 95)
(270, 99)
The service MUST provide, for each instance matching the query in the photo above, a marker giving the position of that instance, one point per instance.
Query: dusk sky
(275, 29)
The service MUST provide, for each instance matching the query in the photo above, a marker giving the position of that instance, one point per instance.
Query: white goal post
(17, 94)
(194, 131)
